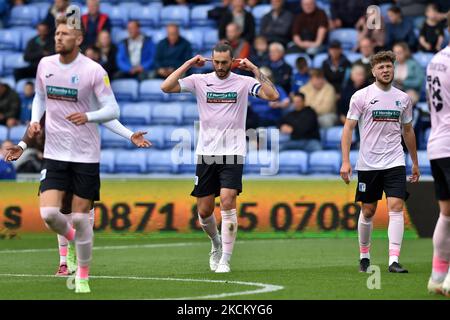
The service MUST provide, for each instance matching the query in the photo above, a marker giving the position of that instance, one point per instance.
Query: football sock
(395, 234)
(365, 227)
(229, 232)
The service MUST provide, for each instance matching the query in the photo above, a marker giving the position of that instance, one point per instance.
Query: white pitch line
(263, 287)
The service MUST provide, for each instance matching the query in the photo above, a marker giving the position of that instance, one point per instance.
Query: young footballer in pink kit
(222, 98)
(438, 147)
(75, 93)
(384, 114)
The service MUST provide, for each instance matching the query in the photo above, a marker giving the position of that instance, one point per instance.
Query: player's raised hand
(139, 141)
(77, 118)
(346, 172)
(33, 129)
(415, 174)
(14, 153)
(198, 61)
(245, 64)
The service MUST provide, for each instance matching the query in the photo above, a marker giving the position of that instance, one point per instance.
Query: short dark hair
(316, 72)
(28, 83)
(301, 61)
(223, 46)
(299, 94)
(382, 56)
(395, 10)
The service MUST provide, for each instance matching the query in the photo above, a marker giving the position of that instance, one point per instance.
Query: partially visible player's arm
(137, 138)
(171, 85)
(410, 141)
(346, 142)
(37, 111)
(267, 90)
(16, 151)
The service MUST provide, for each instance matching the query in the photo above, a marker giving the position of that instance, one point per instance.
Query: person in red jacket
(94, 22)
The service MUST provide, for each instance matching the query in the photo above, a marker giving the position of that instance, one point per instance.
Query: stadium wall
(285, 206)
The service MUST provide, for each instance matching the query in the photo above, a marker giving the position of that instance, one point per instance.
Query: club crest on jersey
(221, 97)
(398, 103)
(386, 115)
(74, 79)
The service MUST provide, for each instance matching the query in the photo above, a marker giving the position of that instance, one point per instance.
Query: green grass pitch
(156, 266)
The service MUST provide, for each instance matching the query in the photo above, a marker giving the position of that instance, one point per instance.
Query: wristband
(23, 145)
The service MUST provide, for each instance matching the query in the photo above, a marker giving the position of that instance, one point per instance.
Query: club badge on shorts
(43, 174)
(196, 180)
(362, 187)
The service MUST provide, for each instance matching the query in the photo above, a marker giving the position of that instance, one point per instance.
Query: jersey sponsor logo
(362, 187)
(221, 97)
(60, 93)
(386, 115)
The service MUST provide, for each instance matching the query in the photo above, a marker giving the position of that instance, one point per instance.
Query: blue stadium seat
(424, 163)
(21, 84)
(146, 15)
(136, 113)
(194, 36)
(160, 161)
(131, 161)
(178, 14)
(427, 135)
(3, 133)
(13, 61)
(118, 35)
(325, 162)
(10, 39)
(111, 140)
(107, 158)
(155, 134)
(190, 113)
(354, 154)
(1, 65)
(27, 35)
(125, 89)
(257, 162)
(155, 34)
(42, 8)
(352, 56)
(423, 58)
(210, 38)
(151, 90)
(319, 59)
(16, 133)
(118, 15)
(167, 113)
(384, 8)
(291, 58)
(348, 37)
(199, 16)
(260, 11)
(187, 162)
(174, 135)
(24, 16)
(294, 162)
(9, 81)
(333, 135)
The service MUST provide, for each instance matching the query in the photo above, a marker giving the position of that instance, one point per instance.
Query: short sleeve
(102, 85)
(253, 87)
(187, 84)
(355, 108)
(407, 115)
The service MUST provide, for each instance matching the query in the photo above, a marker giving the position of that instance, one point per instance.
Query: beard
(63, 50)
(222, 73)
(385, 82)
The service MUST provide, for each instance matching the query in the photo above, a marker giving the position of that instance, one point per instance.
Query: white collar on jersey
(68, 65)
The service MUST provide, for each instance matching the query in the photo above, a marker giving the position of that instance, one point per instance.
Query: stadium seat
(111, 140)
(187, 161)
(352, 56)
(291, 58)
(125, 89)
(325, 162)
(190, 113)
(42, 9)
(21, 84)
(210, 38)
(1, 65)
(260, 11)
(319, 59)
(174, 135)
(136, 113)
(155, 34)
(118, 35)
(293, 162)
(150, 90)
(10, 39)
(424, 163)
(167, 113)
(348, 37)
(131, 161)
(155, 134)
(427, 135)
(118, 15)
(107, 161)
(423, 58)
(146, 15)
(261, 162)
(199, 16)
(178, 14)
(9, 81)
(13, 61)
(194, 36)
(384, 8)
(333, 135)
(160, 161)
(27, 35)
(16, 133)
(24, 16)
(3, 133)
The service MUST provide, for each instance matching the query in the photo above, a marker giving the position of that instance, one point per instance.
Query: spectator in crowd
(336, 67)
(346, 13)
(409, 75)
(94, 22)
(372, 26)
(27, 102)
(241, 48)
(135, 56)
(320, 96)
(432, 32)
(218, 12)
(259, 53)
(57, 9)
(37, 47)
(309, 29)
(413, 10)
(9, 106)
(7, 170)
(108, 52)
(269, 112)
(183, 2)
(282, 72)
(302, 125)
(241, 17)
(277, 24)
(367, 50)
(93, 53)
(301, 75)
(171, 52)
(399, 29)
(357, 82)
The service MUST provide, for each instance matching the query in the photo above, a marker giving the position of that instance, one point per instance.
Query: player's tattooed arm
(268, 90)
